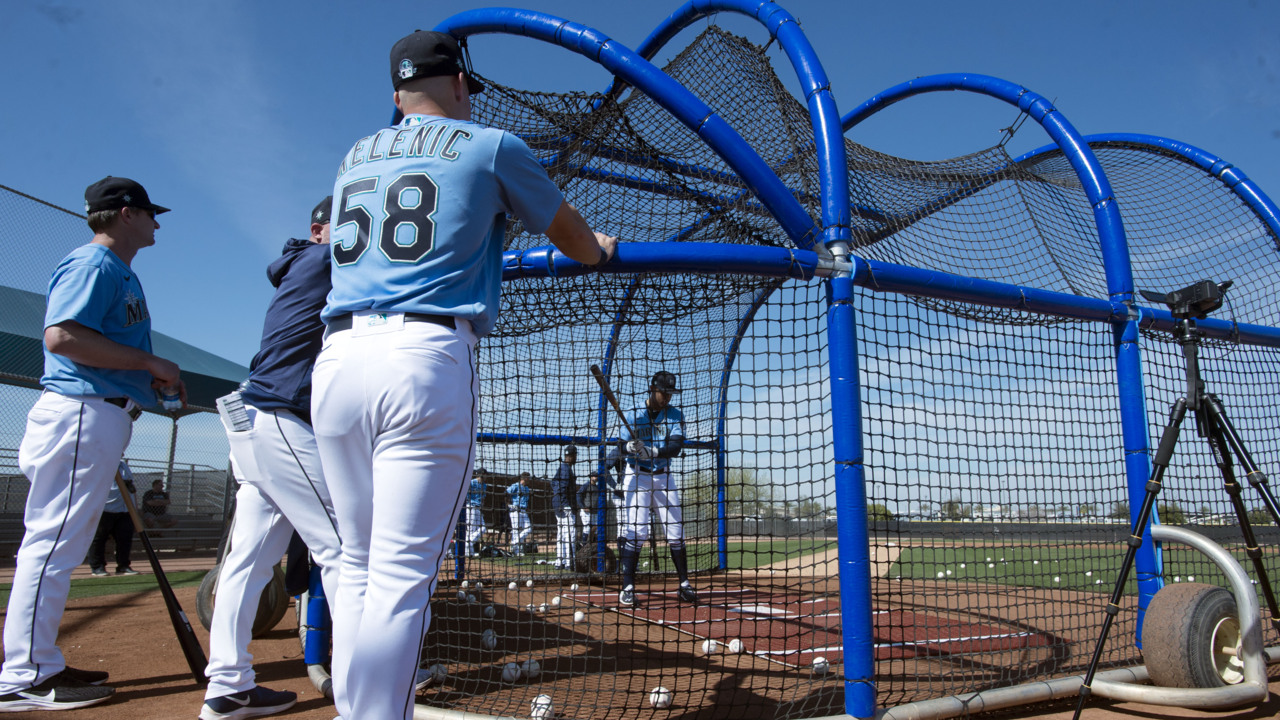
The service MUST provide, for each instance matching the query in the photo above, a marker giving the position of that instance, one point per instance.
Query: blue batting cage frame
(821, 249)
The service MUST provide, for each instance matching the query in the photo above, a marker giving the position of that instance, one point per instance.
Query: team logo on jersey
(135, 309)
(406, 69)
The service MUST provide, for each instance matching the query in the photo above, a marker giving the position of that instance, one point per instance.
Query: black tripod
(1196, 301)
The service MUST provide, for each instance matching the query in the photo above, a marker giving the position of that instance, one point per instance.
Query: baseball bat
(187, 639)
(608, 394)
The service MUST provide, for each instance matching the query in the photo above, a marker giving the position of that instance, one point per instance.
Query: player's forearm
(571, 235)
(672, 447)
(89, 347)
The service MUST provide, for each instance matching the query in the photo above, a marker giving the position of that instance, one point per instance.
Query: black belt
(123, 404)
(343, 322)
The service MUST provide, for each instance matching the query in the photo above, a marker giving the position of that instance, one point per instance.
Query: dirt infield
(129, 636)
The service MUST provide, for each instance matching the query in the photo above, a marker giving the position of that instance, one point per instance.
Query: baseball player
(418, 239)
(518, 495)
(116, 524)
(99, 373)
(647, 485)
(475, 515)
(282, 486)
(564, 503)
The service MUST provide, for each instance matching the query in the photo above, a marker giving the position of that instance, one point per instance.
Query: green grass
(1071, 567)
(95, 586)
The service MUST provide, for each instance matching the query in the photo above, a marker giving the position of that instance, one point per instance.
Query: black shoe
(627, 597)
(248, 704)
(100, 572)
(127, 571)
(89, 677)
(59, 692)
(687, 594)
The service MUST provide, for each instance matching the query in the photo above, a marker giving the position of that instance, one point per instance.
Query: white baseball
(479, 585)
(528, 583)
(489, 639)
(489, 611)
(735, 645)
(471, 598)
(555, 601)
(574, 587)
(511, 585)
(542, 708)
(710, 646)
(542, 608)
(462, 595)
(510, 672)
(820, 666)
(465, 584)
(660, 697)
(531, 668)
(579, 616)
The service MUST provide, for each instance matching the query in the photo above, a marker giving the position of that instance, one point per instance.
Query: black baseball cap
(664, 381)
(321, 212)
(427, 53)
(113, 193)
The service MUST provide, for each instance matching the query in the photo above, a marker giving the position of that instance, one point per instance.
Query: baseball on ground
(555, 601)
(574, 587)
(820, 666)
(462, 595)
(528, 583)
(511, 585)
(489, 611)
(660, 697)
(735, 645)
(579, 616)
(489, 639)
(465, 584)
(710, 646)
(542, 708)
(510, 672)
(531, 668)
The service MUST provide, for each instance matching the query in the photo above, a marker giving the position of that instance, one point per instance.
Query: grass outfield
(1071, 567)
(113, 585)
(741, 555)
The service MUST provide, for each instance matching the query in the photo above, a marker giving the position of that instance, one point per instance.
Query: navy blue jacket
(564, 491)
(280, 375)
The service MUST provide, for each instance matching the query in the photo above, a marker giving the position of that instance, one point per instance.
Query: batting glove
(640, 450)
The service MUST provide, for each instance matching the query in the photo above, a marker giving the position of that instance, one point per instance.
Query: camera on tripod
(1192, 301)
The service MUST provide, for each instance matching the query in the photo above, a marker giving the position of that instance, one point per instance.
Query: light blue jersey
(418, 218)
(655, 430)
(475, 493)
(95, 288)
(520, 495)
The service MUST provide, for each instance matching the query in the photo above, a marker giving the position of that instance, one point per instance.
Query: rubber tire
(272, 606)
(585, 559)
(1178, 634)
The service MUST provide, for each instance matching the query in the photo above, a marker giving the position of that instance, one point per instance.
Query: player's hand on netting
(638, 449)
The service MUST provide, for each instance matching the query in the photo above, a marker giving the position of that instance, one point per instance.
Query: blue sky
(236, 114)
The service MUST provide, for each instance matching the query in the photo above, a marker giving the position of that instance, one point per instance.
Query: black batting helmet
(663, 381)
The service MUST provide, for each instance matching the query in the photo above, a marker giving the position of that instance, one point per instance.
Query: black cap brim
(474, 86)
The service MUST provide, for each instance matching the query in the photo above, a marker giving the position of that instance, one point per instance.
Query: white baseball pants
(70, 452)
(520, 530)
(282, 487)
(566, 536)
(475, 528)
(645, 492)
(394, 408)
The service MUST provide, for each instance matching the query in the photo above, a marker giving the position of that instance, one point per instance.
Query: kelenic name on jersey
(441, 140)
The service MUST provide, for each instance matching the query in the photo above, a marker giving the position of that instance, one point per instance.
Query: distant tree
(1205, 511)
(954, 510)
(1258, 515)
(1119, 510)
(878, 513)
(746, 492)
(1171, 513)
(1087, 510)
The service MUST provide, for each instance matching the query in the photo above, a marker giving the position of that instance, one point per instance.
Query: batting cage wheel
(1191, 638)
(585, 559)
(272, 606)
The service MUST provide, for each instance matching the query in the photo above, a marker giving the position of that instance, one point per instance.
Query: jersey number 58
(407, 232)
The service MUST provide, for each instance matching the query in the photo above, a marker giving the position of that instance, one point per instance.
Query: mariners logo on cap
(406, 68)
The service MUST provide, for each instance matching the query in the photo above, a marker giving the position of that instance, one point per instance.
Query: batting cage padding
(997, 497)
